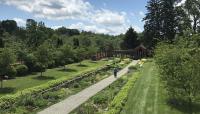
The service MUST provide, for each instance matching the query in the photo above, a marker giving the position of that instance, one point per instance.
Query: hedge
(9, 100)
(119, 101)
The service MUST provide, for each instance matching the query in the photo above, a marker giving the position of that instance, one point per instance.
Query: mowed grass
(148, 95)
(72, 70)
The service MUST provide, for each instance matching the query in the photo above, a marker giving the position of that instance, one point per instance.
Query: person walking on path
(115, 72)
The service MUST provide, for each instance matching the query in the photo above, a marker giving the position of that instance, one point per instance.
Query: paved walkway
(74, 101)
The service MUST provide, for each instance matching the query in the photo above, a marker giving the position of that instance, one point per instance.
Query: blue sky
(100, 16)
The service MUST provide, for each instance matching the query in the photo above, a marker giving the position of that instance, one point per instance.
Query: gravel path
(74, 101)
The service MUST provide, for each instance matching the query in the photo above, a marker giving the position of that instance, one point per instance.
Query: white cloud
(98, 20)
(81, 26)
(113, 30)
(51, 9)
(20, 22)
(109, 18)
(141, 13)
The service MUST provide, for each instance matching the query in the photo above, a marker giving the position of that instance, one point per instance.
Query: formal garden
(91, 70)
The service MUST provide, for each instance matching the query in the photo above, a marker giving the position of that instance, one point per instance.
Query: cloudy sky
(100, 16)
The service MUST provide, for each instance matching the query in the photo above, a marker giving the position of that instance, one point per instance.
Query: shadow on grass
(43, 78)
(67, 70)
(7, 90)
(184, 106)
(82, 65)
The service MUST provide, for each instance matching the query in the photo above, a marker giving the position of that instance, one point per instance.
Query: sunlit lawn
(72, 70)
(148, 96)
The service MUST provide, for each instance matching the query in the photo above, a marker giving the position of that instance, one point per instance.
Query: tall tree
(193, 10)
(168, 19)
(7, 58)
(152, 27)
(9, 26)
(130, 40)
(31, 28)
(183, 20)
(43, 56)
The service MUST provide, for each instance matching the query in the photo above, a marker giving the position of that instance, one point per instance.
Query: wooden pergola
(137, 53)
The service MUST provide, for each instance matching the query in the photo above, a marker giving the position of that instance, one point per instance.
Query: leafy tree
(31, 28)
(30, 61)
(85, 41)
(179, 66)
(183, 21)
(80, 54)
(76, 42)
(68, 32)
(130, 40)
(168, 19)
(7, 58)
(193, 10)
(66, 55)
(9, 26)
(43, 56)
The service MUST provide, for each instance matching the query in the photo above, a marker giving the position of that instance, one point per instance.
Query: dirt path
(74, 101)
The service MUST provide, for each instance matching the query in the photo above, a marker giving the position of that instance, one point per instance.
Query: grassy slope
(20, 83)
(148, 95)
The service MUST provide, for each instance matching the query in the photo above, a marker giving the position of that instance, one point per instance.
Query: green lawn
(20, 83)
(148, 96)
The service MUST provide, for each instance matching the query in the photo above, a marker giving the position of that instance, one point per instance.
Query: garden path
(74, 101)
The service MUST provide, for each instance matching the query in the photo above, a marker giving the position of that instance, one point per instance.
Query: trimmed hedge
(119, 101)
(9, 100)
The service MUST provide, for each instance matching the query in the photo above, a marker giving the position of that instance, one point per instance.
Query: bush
(133, 67)
(179, 66)
(21, 70)
(38, 67)
(11, 72)
(118, 103)
(100, 99)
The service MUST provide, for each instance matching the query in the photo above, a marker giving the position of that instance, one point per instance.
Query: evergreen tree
(152, 27)
(130, 40)
(168, 19)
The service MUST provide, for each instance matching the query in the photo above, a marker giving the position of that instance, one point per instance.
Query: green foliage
(21, 70)
(100, 99)
(7, 58)
(119, 101)
(179, 67)
(9, 100)
(130, 40)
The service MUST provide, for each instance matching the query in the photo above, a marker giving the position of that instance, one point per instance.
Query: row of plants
(8, 100)
(100, 102)
(116, 106)
(31, 104)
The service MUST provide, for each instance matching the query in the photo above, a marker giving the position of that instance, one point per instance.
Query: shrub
(21, 70)
(133, 67)
(76, 85)
(118, 103)
(179, 68)
(11, 72)
(100, 99)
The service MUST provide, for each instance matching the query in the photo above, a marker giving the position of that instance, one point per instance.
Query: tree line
(173, 30)
(35, 47)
